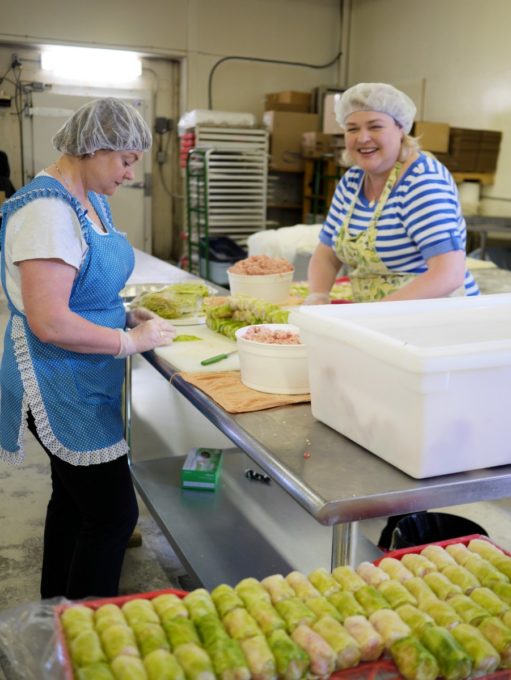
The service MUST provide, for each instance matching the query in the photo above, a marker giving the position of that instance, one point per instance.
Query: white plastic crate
(425, 385)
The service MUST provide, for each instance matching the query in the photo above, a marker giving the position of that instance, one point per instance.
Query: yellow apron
(370, 279)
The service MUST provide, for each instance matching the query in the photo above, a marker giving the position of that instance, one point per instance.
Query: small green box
(201, 469)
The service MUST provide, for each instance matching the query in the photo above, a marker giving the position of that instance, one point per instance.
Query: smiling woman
(395, 218)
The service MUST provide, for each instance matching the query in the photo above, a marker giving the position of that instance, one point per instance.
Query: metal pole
(126, 406)
(344, 540)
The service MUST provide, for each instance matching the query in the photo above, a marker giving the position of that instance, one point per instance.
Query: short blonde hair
(409, 145)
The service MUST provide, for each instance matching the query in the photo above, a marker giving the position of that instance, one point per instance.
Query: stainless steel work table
(337, 482)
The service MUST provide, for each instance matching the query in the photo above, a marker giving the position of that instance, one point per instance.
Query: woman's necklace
(64, 181)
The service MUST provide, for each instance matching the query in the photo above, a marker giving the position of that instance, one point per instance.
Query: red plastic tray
(383, 669)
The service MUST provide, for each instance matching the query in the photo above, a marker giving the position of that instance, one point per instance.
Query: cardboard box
(408, 378)
(317, 144)
(286, 129)
(432, 136)
(288, 101)
(330, 124)
(201, 469)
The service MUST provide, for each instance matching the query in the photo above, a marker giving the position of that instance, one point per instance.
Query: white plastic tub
(276, 369)
(269, 287)
(426, 385)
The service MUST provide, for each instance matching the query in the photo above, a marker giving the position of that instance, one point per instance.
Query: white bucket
(269, 287)
(276, 369)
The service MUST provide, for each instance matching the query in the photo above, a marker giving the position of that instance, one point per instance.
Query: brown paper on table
(226, 388)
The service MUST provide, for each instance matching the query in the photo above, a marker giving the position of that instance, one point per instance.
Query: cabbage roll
(396, 594)
(266, 617)
(295, 612)
(225, 599)
(161, 665)
(420, 590)
(442, 613)
(395, 569)
(506, 618)
(150, 636)
(503, 590)
(461, 577)
(324, 581)
(346, 604)
(291, 660)
(322, 656)
(228, 660)
(76, 620)
(199, 603)
(389, 625)
(438, 555)
(370, 599)
(211, 630)
(369, 641)
(484, 571)
(344, 645)
(128, 668)
(108, 615)
(453, 661)
(486, 598)
(139, 611)
(418, 564)
(301, 585)
(260, 659)
(278, 588)
(86, 649)
(240, 624)
(371, 574)
(413, 660)
(468, 609)
(168, 606)
(485, 548)
(415, 618)
(322, 607)
(459, 552)
(180, 631)
(499, 635)
(485, 658)
(119, 640)
(195, 662)
(251, 591)
(348, 578)
(441, 586)
(95, 671)
(503, 564)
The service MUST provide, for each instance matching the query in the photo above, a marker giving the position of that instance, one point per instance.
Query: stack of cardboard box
(473, 151)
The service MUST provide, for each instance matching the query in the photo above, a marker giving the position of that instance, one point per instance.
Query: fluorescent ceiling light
(82, 63)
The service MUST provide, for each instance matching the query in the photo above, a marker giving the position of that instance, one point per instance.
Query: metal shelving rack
(226, 188)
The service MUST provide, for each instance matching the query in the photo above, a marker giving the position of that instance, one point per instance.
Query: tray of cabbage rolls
(441, 610)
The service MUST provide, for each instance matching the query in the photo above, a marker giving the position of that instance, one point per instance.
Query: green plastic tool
(217, 357)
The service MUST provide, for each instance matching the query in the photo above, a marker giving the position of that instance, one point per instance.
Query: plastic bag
(29, 642)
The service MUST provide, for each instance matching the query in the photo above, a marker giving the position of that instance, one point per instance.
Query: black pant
(90, 517)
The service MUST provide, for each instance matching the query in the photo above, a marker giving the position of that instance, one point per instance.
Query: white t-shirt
(44, 228)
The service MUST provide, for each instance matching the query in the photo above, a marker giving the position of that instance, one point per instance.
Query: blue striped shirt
(421, 218)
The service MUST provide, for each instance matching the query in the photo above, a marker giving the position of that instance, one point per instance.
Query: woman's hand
(323, 267)
(155, 332)
(136, 316)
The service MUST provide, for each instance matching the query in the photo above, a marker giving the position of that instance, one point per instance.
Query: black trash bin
(425, 527)
(222, 252)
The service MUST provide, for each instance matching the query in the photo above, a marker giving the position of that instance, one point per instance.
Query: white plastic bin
(425, 385)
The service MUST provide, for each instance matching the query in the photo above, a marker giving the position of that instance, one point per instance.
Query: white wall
(456, 52)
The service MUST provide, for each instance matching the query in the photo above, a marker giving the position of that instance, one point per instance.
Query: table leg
(126, 404)
(344, 540)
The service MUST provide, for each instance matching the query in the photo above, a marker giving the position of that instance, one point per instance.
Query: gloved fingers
(139, 315)
(317, 299)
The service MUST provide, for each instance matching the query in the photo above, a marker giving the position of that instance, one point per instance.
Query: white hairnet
(107, 123)
(376, 97)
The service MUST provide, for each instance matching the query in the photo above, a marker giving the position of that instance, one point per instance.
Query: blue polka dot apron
(75, 398)
(371, 280)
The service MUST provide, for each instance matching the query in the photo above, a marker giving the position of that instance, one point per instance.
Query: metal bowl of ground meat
(273, 359)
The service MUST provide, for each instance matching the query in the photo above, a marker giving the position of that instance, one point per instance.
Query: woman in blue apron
(63, 264)
(395, 218)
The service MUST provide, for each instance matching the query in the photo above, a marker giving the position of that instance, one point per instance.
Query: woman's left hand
(139, 315)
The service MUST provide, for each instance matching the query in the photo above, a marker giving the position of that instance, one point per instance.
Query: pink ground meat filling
(258, 265)
(271, 336)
